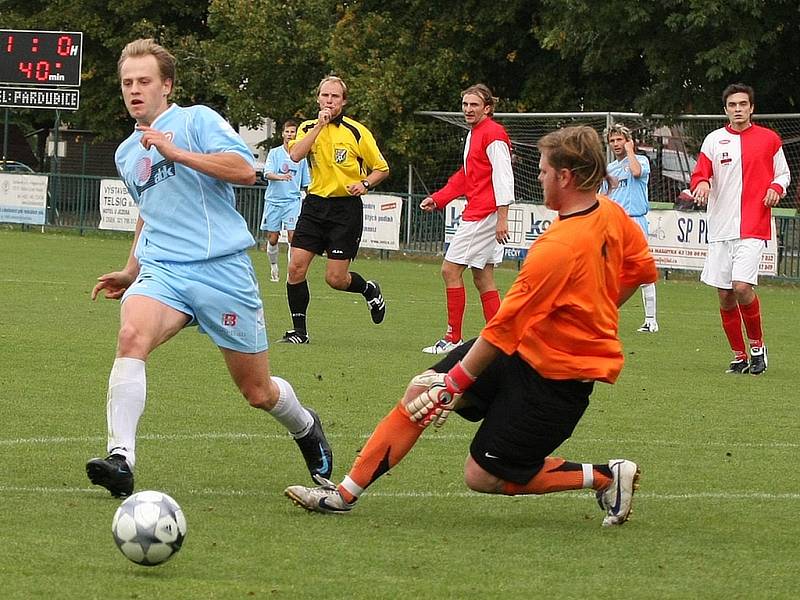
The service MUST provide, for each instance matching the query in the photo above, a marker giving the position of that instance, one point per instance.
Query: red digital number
(64, 45)
(27, 69)
(35, 45)
(10, 44)
(42, 70)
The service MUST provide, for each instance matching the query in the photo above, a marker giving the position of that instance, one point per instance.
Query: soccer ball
(149, 527)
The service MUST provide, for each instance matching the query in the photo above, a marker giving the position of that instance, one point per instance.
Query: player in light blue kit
(631, 174)
(188, 264)
(282, 198)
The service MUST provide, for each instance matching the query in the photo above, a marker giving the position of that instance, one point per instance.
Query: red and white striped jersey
(741, 166)
(486, 178)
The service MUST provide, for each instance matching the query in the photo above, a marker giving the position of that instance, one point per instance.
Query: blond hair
(619, 129)
(333, 79)
(145, 47)
(578, 149)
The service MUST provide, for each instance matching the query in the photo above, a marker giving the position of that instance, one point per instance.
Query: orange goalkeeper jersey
(561, 312)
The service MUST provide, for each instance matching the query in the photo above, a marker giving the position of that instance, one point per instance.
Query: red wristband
(458, 380)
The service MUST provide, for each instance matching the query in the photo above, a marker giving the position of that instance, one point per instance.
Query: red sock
(391, 440)
(732, 325)
(751, 315)
(491, 303)
(456, 302)
(558, 475)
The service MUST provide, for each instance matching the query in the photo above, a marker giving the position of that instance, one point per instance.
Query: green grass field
(715, 516)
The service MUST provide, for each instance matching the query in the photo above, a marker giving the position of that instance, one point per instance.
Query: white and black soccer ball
(149, 527)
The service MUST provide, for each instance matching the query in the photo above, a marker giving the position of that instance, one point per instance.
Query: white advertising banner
(526, 222)
(118, 211)
(23, 198)
(381, 228)
(381, 215)
(678, 240)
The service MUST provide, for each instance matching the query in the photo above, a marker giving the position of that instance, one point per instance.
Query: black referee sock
(358, 285)
(299, 297)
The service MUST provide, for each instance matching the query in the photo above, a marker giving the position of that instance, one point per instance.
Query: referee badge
(339, 155)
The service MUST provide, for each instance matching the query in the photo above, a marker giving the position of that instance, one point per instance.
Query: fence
(74, 203)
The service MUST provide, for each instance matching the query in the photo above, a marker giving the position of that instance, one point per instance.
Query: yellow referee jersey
(344, 153)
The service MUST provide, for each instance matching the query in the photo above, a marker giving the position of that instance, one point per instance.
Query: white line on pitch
(736, 496)
(435, 437)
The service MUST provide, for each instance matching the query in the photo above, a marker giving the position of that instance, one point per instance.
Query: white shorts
(732, 260)
(475, 245)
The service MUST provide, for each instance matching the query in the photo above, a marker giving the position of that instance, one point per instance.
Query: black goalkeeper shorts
(524, 417)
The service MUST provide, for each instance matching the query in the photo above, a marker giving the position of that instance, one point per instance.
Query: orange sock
(558, 475)
(391, 440)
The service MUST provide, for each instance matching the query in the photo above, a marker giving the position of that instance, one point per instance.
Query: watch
(365, 183)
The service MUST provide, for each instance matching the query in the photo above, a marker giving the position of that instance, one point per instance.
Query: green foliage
(271, 55)
(107, 27)
(263, 58)
(713, 518)
(676, 56)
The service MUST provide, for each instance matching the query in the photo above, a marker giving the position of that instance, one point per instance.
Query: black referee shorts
(524, 417)
(330, 225)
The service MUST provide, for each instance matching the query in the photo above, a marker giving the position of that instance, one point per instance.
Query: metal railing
(73, 201)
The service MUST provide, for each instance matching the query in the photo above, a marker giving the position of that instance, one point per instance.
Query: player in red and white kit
(741, 174)
(487, 182)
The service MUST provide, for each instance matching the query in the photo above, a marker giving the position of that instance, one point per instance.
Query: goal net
(671, 144)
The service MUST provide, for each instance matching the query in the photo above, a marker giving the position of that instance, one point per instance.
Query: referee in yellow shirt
(345, 163)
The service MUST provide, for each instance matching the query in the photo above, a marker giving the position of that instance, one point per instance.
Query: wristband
(458, 379)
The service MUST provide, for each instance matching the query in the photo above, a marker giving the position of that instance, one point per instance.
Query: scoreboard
(40, 58)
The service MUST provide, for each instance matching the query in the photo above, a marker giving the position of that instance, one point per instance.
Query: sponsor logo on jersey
(149, 174)
(287, 168)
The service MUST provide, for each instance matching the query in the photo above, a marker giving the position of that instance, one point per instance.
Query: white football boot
(617, 498)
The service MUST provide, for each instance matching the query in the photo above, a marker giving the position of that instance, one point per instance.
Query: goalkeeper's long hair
(580, 150)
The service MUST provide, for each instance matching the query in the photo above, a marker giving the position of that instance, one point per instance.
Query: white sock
(272, 253)
(588, 475)
(289, 412)
(649, 299)
(352, 487)
(127, 391)
(288, 254)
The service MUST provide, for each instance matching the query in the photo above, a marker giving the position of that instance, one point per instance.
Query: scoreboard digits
(41, 58)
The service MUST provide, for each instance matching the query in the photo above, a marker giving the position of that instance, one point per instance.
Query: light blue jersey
(280, 163)
(188, 216)
(631, 192)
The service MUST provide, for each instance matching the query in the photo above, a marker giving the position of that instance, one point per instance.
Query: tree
(107, 26)
(264, 58)
(676, 56)
(271, 55)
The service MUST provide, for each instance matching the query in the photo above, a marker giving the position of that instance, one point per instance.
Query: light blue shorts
(641, 220)
(278, 217)
(220, 295)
